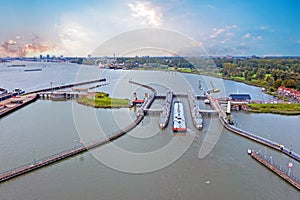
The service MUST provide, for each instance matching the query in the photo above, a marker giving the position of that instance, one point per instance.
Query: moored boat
(206, 101)
(179, 124)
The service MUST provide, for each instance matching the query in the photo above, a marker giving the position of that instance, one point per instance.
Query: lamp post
(51, 86)
(34, 160)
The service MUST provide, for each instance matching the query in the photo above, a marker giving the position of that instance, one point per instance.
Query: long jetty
(68, 86)
(294, 181)
(65, 154)
(26, 99)
(261, 140)
(7, 175)
(36, 95)
(274, 145)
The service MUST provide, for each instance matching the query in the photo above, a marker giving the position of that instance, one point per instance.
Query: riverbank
(102, 100)
(212, 73)
(280, 108)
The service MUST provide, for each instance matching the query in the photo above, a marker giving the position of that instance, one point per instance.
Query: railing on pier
(260, 140)
(277, 169)
(67, 86)
(274, 145)
(4, 176)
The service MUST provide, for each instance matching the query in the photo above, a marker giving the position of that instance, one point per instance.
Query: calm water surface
(46, 127)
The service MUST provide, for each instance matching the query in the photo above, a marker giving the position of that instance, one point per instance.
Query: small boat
(200, 86)
(206, 101)
(18, 91)
(215, 90)
(17, 65)
(3, 91)
(249, 151)
(32, 70)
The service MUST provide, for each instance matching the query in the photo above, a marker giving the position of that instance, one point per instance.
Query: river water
(146, 163)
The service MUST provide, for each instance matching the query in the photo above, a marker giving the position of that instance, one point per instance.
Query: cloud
(75, 39)
(147, 13)
(263, 27)
(81, 34)
(298, 41)
(19, 48)
(247, 36)
(258, 37)
(216, 32)
(221, 31)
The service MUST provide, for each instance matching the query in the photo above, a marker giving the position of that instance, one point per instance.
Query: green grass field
(238, 78)
(280, 108)
(185, 70)
(102, 100)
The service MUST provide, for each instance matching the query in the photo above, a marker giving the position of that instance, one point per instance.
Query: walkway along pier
(30, 97)
(4, 176)
(12, 104)
(294, 181)
(261, 140)
(274, 145)
(65, 154)
(67, 86)
(74, 94)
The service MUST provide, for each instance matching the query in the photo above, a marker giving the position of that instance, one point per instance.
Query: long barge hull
(179, 124)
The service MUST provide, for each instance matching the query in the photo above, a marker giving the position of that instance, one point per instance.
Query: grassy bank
(282, 108)
(102, 100)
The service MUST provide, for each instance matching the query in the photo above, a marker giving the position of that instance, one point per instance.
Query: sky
(221, 27)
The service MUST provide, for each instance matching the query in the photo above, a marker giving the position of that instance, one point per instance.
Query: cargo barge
(165, 114)
(179, 124)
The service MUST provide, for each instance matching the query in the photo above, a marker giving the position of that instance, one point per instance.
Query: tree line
(268, 72)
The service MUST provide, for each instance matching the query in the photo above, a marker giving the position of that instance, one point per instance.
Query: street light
(51, 87)
(34, 160)
(290, 152)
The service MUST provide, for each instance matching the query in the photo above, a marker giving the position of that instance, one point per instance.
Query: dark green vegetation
(102, 100)
(287, 109)
(264, 72)
(270, 72)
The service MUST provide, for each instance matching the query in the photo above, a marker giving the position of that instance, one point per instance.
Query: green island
(282, 108)
(102, 100)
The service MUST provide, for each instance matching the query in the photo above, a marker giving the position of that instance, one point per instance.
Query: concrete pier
(51, 89)
(165, 114)
(294, 181)
(226, 123)
(194, 110)
(12, 104)
(7, 175)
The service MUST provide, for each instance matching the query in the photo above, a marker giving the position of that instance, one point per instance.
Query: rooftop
(240, 97)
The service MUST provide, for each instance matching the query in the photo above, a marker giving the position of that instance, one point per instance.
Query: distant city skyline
(221, 27)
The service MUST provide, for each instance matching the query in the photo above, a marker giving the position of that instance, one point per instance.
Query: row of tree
(266, 72)
(271, 72)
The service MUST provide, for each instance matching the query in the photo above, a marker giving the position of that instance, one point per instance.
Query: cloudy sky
(221, 27)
